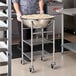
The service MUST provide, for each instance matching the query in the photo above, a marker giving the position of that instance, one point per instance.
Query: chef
(27, 7)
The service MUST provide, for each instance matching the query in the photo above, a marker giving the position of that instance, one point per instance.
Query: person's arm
(41, 6)
(17, 9)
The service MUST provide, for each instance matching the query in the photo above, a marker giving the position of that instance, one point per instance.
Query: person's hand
(41, 12)
(18, 16)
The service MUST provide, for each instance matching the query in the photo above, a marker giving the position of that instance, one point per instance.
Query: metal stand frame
(42, 32)
(53, 65)
(62, 35)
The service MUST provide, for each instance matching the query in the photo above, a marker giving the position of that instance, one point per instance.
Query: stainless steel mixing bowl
(37, 22)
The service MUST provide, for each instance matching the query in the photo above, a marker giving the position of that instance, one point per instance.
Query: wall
(68, 3)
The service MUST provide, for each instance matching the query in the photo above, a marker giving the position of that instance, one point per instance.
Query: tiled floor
(65, 64)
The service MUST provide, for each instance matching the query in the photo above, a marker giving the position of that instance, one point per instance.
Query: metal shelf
(43, 32)
(3, 26)
(70, 46)
(3, 63)
(3, 59)
(3, 70)
(3, 6)
(3, 46)
(37, 41)
(3, 16)
(36, 53)
(3, 39)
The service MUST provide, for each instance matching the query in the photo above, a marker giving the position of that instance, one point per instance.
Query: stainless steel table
(70, 46)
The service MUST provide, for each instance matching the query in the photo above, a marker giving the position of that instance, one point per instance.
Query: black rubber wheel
(22, 62)
(32, 69)
(41, 58)
(53, 66)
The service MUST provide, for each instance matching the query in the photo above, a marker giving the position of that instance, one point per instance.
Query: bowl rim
(50, 17)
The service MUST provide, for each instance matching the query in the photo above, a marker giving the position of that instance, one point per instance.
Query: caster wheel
(31, 69)
(74, 33)
(42, 59)
(22, 62)
(53, 65)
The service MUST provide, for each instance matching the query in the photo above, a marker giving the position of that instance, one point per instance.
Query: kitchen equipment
(5, 41)
(51, 10)
(39, 21)
(69, 46)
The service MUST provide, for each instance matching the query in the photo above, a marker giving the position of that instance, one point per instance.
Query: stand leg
(42, 44)
(32, 66)
(22, 60)
(54, 63)
(62, 35)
